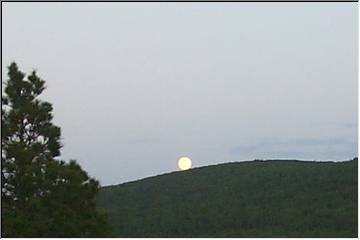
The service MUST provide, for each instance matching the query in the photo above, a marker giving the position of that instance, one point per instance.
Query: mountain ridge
(224, 163)
(260, 198)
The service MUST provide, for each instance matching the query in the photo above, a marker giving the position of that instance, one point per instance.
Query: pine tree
(41, 195)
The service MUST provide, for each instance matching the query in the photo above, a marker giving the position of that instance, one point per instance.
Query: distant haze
(135, 86)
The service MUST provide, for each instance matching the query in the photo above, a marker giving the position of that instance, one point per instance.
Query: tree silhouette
(41, 195)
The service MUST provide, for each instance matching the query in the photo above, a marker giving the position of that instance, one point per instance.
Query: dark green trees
(279, 198)
(41, 196)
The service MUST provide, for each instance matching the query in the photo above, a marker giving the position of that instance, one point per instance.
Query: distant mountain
(274, 198)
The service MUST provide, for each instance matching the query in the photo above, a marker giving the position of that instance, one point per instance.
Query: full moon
(184, 163)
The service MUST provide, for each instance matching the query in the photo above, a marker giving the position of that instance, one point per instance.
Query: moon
(184, 163)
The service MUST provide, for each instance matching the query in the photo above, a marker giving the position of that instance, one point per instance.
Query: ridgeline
(274, 198)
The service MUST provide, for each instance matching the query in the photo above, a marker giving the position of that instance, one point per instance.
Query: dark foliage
(248, 199)
(41, 196)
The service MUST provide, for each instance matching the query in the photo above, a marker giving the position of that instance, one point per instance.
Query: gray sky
(137, 85)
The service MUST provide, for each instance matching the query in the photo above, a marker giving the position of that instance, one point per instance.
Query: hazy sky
(137, 85)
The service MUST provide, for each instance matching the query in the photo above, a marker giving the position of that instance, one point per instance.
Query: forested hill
(275, 198)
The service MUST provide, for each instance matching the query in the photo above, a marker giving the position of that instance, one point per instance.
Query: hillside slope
(274, 198)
